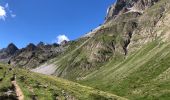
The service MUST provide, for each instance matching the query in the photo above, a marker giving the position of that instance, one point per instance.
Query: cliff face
(123, 6)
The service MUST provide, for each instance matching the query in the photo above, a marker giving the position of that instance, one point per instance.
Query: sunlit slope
(144, 74)
(128, 56)
(5, 84)
(42, 87)
(114, 40)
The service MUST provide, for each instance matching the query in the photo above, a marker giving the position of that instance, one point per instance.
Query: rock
(13, 77)
(55, 45)
(9, 92)
(1, 79)
(34, 97)
(123, 6)
(31, 47)
(10, 69)
(64, 42)
(41, 44)
(45, 86)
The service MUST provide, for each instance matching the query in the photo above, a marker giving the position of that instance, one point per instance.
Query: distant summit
(11, 49)
(31, 47)
(7, 53)
(34, 55)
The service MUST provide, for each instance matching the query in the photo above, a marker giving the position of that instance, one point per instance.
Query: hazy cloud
(6, 5)
(61, 38)
(10, 11)
(2, 13)
(13, 15)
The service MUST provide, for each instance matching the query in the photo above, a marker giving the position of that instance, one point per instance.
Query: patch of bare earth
(18, 91)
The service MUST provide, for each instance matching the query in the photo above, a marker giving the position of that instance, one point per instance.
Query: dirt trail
(18, 91)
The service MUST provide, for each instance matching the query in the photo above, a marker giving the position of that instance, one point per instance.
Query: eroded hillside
(121, 34)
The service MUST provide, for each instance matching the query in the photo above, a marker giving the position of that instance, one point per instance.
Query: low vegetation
(143, 75)
(41, 87)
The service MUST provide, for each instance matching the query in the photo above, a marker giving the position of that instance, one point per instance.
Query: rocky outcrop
(31, 47)
(123, 6)
(63, 43)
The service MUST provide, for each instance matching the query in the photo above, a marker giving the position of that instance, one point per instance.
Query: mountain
(34, 55)
(128, 55)
(123, 6)
(123, 32)
(7, 53)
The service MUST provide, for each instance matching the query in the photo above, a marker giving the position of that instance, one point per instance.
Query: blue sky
(26, 21)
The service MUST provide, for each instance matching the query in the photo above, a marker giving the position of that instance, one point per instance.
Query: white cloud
(2, 13)
(61, 38)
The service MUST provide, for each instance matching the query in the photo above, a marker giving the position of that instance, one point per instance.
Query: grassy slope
(144, 74)
(45, 87)
(5, 82)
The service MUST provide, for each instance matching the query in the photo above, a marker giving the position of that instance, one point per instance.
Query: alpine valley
(126, 57)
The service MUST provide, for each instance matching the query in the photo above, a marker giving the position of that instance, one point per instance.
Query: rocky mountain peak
(55, 45)
(8, 52)
(123, 6)
(31, 47)
(11, 49)
(40, 44)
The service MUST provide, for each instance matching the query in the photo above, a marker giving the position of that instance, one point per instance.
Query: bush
(98, 97)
